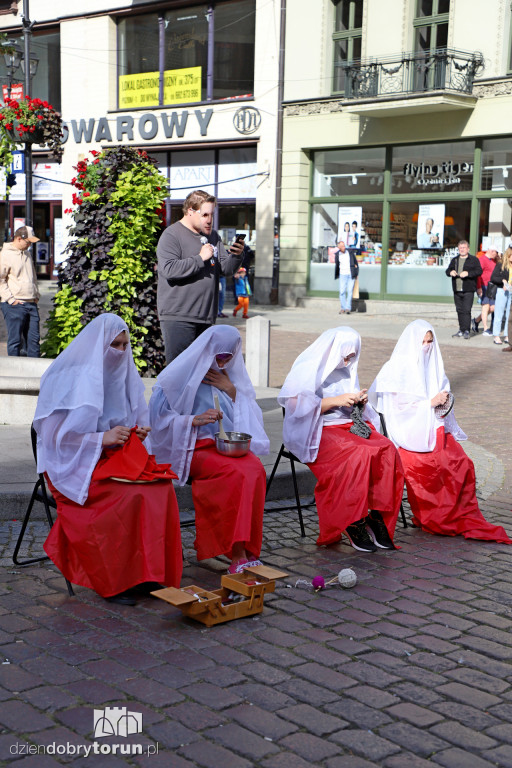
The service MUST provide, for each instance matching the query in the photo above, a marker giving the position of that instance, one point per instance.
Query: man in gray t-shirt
(191, 259)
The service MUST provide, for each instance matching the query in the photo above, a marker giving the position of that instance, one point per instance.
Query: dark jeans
(22, 321)
(463, 303)
(178, 335)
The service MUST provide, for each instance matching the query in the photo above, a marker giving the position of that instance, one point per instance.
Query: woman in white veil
(228, 493)
(411, 390)
(355, 474)
(109, 535)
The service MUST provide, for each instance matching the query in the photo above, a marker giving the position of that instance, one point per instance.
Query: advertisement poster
(430, 226)
(349, 225)
(181, 86)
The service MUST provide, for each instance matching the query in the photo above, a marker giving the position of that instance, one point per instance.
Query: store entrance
(47, 216)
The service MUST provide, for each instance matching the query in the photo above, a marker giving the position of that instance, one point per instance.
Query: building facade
(193, 84)
(396, 139)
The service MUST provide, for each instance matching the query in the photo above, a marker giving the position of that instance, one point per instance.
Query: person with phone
(191, 260)
(411, 391)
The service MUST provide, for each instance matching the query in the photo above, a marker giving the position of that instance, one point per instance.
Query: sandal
(498, 341)
(241, 565)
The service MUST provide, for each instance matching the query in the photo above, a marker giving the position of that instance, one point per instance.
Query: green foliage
(110, 267)
(65, 319)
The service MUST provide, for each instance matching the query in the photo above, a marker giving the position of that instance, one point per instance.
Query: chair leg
(274, 469)
(24, 527)
(402, 512)
(297, 499)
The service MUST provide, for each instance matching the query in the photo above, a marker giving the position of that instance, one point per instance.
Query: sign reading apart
(181, 86)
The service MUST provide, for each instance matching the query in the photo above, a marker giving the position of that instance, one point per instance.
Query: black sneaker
(474, 326)
(466, 334)
(378, 531)
(454, 335)
(359, 537)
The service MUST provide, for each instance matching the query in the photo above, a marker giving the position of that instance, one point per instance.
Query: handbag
(491, 290)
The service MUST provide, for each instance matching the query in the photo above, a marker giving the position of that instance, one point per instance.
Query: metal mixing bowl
(237, 444)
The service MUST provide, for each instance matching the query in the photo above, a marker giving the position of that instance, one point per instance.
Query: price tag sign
(18, 162)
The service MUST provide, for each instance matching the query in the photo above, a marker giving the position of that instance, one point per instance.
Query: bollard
(257, 350)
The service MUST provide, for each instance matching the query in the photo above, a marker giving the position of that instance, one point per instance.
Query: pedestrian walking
(464, 270)
(346, 269)
(485, 293)
(501, 278)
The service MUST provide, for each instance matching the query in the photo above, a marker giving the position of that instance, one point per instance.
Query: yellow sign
(181, 86)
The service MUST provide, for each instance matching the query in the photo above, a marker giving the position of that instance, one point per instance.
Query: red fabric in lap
(442, 493)
(355, 475)
(125, 534)
(131, 461)
(229, 496)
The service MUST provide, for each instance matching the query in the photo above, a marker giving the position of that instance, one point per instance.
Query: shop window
(193, 54)
(45, 46)
(363, 236)
(431, 168)
(495, 223)
(496, 165)
(348, 172)
(347, 39)
(423, 238)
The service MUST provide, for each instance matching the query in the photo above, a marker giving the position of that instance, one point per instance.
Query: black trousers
(178, 335)
(463, 303)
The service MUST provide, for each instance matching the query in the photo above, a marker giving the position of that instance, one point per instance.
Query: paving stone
(22, 718)
(241, 740)
(358, 713)
(212, 756)
(469, 716)
(415, 693)
(285, 759)
(265, 696)
(309, 747)
(478, 679)
(466, 738)
(459, 758)
(265, 673)
(210, 695)
(420, 742)
(308, 692)
(325, 677)
(348, 761)
(373, 697)
(406, 760)
(312, 719)
(365, 743)
(464, 693)
(501, 755)
(266, 724)
(419, 716)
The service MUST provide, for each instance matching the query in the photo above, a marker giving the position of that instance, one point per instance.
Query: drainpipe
(274, 291)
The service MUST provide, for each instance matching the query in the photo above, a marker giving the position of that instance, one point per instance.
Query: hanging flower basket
(29, 121)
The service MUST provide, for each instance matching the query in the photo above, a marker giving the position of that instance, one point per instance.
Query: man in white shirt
(347, 269)
(19, 293)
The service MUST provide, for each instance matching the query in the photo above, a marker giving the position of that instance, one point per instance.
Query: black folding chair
(40, 493)
(385, 433)
(286, 454)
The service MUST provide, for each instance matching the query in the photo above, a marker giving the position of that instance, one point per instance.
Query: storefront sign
(446, 172)
(181, 86)
(247, 120)
(146, 126)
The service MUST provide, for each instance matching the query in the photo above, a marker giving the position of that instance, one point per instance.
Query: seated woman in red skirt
(440, 477)
(109, 536)
(228, 493)
(355, 474)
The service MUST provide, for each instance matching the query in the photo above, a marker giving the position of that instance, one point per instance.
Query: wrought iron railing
(410, 73)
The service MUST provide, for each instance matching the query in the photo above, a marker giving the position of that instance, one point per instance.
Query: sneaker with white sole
(378, 531)
(359, 537)
(487, 333)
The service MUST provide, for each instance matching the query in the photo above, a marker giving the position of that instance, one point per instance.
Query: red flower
(87, 194)
(94, 153)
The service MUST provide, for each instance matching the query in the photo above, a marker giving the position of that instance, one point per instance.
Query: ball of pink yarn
(318, 583)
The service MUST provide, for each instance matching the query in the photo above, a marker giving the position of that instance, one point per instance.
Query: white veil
(405, 386)
(173, 437)
(319, 372)
(88, 389)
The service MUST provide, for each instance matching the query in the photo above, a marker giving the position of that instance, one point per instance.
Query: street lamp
(13, 59)
(34, 61)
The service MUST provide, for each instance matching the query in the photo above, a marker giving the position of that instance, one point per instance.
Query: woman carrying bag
(500, 281)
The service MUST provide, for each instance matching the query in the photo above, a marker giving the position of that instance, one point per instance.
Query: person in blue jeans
(501, 277)
(346, 269)
(19, 294)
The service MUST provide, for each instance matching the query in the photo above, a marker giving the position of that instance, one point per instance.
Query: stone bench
(19, 388)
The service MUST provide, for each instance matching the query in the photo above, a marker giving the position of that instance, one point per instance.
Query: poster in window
(181, 86)
(349, 225)
(430, 232)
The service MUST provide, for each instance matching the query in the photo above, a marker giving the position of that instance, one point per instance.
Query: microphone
(204, 240)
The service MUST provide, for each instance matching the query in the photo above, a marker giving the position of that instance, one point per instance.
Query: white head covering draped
(320, 372)
(171, 408)
(405, 386)
(88, 389)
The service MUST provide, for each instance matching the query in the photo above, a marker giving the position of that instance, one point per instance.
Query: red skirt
(355, 475)
(229, 497)
(124, 534)
(442, 494)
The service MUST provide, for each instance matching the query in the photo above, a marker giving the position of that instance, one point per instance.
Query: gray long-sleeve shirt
(188, 287)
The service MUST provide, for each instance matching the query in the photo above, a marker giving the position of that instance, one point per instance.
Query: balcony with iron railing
(383, 85)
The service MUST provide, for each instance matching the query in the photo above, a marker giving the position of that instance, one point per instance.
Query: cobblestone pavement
(411, 668)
